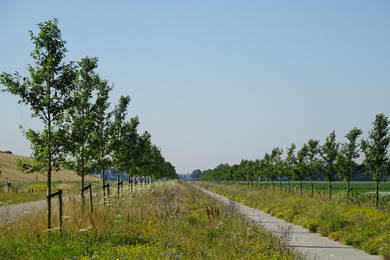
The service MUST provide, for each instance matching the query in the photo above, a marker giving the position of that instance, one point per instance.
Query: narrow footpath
(312, 245)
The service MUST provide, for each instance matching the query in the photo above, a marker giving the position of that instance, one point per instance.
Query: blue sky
(217, 81)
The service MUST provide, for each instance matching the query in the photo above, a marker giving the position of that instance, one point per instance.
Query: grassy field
(353, 222)
(165, 220)
(359, 187)
(31, 187)
(26, 192)
(9, 172)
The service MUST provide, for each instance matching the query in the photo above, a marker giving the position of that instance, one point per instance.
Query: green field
(359, 187)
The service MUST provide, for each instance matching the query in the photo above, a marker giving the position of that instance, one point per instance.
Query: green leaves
(375, 148)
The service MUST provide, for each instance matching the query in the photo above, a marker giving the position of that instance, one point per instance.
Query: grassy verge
(161, 221)
(353, 222)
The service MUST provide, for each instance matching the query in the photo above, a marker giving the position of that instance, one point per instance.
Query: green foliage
(375, 150)
(48, 92)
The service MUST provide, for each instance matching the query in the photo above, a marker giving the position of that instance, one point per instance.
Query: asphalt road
(15, 212)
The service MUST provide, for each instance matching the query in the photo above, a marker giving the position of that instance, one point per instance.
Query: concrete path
(313, 245)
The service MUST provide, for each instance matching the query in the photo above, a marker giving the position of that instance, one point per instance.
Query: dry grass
(9, 170)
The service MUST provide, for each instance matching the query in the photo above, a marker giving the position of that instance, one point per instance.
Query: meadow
(20, 192)
(358, 187)
(164, 220)
(353, 222)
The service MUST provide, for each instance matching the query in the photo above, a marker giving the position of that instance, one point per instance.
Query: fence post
(59, 193)
(90, 196)
(120, 184)
(60, 206)
(108, 192)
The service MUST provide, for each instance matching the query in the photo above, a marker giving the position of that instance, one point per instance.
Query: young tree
(301, 170)
(275, 164)
(290, 164)
(81, 120)
(278, 164)
(313, 161)
(329, 154)
(267, 167)
(47, 90)
(375, 150)
(346, 167)
(117, 131)
(101, 133)
(132, 146)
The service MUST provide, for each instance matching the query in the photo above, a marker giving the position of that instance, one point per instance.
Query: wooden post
(108, 192)
(119, 185)
(90, 197)
(60, 206)
(90, 194)
(59, 193)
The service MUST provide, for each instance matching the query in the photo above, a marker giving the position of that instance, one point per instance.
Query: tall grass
(161, 221)
(354, 222)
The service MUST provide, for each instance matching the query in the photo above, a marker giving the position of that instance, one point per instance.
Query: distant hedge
(9, 152)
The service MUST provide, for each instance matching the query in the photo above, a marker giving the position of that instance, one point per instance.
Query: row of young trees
(332, 160)
(79, 132)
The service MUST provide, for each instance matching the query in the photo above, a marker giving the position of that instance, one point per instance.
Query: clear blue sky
(217, 81)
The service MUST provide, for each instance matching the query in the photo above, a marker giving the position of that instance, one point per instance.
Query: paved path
(15, 212)
(313, 245)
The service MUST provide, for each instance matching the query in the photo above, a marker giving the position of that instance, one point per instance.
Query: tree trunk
(82, 192)
(377, 193)
(104, 184)
(311, 188)
(118, 177)
(49, 172)
(300, 187)
(329, 190)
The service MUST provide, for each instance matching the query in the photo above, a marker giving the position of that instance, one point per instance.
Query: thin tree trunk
(49, 170)
(104, 186)
(118, 177)
(300, 187)
(311, 188)
(329, 190)
(377, 193)
(82, 192)
(289, 185)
